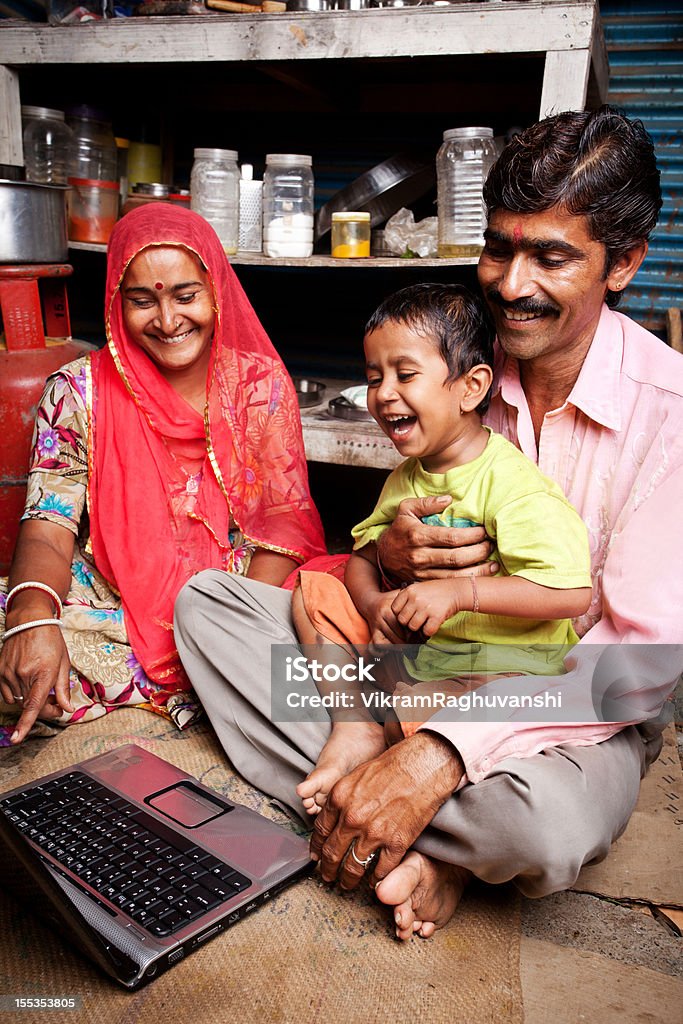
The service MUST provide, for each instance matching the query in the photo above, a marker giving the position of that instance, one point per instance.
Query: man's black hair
(596, 163)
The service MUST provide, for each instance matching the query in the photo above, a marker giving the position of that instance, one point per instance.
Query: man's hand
(425, 606)
(384, 805)
(410, 551)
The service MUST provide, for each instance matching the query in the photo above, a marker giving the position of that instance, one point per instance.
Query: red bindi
(516, 235)
(158, 286)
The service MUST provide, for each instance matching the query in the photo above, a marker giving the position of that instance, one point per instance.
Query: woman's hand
(382, 806)
(36, 660)
(426, 606)
(33, 663)
(410, 551)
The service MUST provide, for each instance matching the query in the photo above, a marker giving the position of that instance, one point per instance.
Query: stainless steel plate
(342, 409)
(381, 191)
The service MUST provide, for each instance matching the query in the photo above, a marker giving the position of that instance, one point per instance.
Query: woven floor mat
(311, 955)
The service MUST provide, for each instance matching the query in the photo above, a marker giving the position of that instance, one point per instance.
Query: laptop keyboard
(147, 870)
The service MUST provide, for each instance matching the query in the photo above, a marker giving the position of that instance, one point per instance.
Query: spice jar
(462, 164)
(214, 184)
(288, 205)
(350, 235)
(180, 197)
(93, 209)
(145, 192)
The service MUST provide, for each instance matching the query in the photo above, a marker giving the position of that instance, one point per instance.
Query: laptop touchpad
(187, 806)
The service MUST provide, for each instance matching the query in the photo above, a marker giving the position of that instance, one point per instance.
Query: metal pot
(32, 223)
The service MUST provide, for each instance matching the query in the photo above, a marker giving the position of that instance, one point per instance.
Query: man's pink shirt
(616, 449)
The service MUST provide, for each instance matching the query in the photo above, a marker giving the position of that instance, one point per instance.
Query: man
(598, 402)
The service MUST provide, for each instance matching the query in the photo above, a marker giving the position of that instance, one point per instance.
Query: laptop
(138, 863)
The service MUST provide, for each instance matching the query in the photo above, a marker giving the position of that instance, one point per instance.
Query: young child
(428, 351)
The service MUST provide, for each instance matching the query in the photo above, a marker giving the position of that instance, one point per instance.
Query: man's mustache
(523, 305)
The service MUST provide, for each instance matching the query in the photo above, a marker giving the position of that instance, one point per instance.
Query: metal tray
(342, 409)
(381, 191)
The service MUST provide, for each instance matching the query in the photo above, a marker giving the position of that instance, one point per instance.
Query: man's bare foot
(423, 892)
(350, 744)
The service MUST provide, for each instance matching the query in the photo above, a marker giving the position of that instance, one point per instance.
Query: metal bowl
(308, 5)
(32, 223)
(308, 392)
(381, 191)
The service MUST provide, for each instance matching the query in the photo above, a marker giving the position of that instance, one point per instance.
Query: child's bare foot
(350, 744)
(423, 892)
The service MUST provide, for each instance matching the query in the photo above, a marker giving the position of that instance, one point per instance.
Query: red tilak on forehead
(158, 286)
(516, 235)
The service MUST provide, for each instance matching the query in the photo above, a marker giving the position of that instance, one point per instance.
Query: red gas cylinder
(28, 293)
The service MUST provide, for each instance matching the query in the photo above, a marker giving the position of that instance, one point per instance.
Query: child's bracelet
(475, 595)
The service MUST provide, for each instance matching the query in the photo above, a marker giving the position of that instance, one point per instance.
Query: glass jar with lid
(95, 155)
(214, 187)
(462, 164)
(48, 144)
(350, 234)
(288, 205)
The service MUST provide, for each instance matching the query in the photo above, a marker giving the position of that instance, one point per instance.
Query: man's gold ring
(363, 863)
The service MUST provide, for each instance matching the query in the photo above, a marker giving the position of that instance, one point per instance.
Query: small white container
(288, 205)
(251, 211)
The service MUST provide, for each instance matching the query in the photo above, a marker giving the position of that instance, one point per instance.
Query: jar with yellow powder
(350, 234)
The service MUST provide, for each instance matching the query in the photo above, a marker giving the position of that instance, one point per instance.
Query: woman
(175, 448)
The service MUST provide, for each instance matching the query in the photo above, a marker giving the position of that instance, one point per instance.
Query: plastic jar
(48, 143)
(214, 184)
(288, 205)
(251, 211)
(144, 162)
(95, 156)
(93, 209)
(145, 192)
(350, 235)
(462, 164)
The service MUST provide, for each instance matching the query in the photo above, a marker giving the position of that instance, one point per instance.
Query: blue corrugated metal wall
(644, 42)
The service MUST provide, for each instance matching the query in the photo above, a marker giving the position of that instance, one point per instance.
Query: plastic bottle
(48, 143)
(95, 155)
(288, 205)
(462, 163)
(214, 184)
(251, 211)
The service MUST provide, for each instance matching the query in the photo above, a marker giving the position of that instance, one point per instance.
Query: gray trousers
(535, 820)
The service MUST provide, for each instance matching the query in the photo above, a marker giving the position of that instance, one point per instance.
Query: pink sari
(249, 443)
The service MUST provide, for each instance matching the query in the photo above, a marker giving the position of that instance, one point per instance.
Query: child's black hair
(450, 315)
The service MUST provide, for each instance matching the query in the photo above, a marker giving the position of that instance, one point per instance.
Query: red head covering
(254, 477)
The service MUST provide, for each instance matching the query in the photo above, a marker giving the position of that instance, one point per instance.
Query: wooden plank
(512, 27)
(567, 985)
(254, 259)
(599, 64)
(11, 147)
(565, 81)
